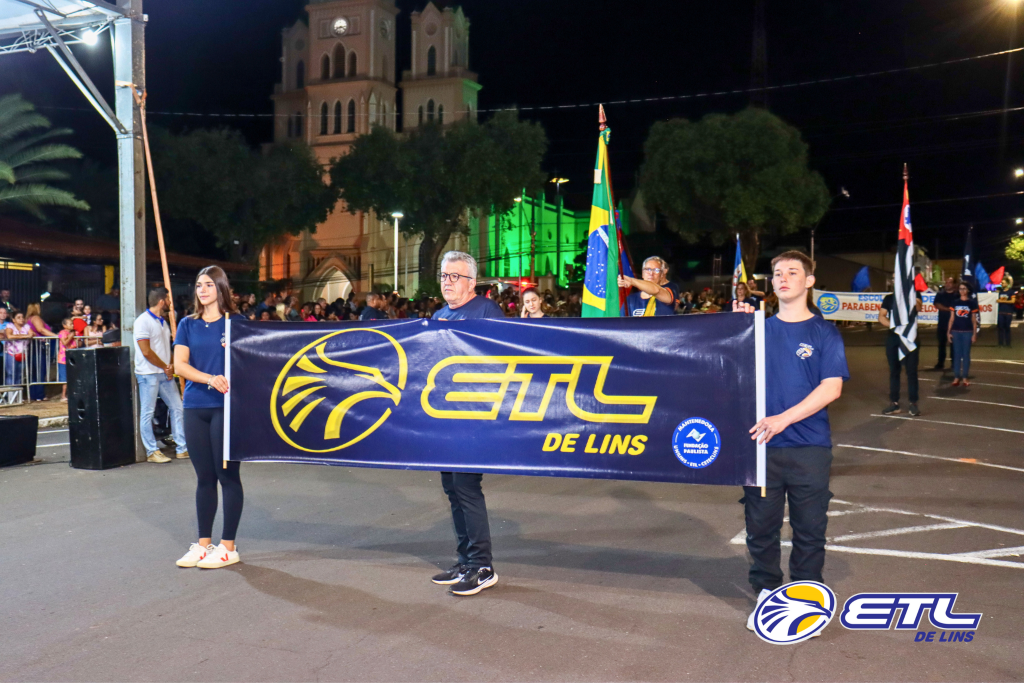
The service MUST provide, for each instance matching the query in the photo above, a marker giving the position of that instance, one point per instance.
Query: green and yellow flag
(600, 284)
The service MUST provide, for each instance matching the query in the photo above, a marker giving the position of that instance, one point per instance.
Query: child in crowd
(65, 340)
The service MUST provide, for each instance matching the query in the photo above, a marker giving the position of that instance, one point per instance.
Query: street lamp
(396, 215)
(843, 192)
(1019, 221)
(1019, 173)
(558, 226)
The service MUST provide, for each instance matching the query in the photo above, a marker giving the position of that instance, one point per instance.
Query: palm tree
(25, 160)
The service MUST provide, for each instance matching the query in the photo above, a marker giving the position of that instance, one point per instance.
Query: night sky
(222, 57)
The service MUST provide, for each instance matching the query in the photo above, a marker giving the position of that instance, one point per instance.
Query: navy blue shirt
(798, 356)
(205, 343)
(946, 299)
(371, 313)
(962, 310)
(636, 304)
(477, 307)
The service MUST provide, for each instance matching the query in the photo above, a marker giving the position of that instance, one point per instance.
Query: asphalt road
(600, 580)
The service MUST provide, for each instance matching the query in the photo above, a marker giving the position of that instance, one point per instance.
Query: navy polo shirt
(798, 356)
(205, 343)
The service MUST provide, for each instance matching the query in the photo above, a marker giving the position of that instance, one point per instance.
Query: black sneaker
(939, 367)
(914, 410)
(450, 576)
(475, 581)
(891, 409)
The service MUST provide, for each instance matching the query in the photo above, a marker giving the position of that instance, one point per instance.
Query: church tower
(337, 81)
(439, 85)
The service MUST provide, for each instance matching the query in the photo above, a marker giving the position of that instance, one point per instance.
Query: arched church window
(298, 124)
(432, 61)
(352, 64)
(351, 117)
(337, 118)
(323, 118)
(291, 126)
(440, 114)
(421, 115)
(300, 74)
(339, 61)
(384, 69)
(325, 68)
(430, 111)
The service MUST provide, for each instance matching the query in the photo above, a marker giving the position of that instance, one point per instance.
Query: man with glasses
(655, 295)
(474, 571)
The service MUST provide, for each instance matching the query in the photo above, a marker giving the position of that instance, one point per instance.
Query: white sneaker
(157, 456)
(760, 598)
(195, 553)
(218, 557)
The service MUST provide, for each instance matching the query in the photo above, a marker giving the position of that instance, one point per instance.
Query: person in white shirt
(155, 375)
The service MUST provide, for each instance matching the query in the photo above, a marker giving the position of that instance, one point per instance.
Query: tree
(1015, 250)
(743, 173)
(438, 177)
(213, 181)
(26, 160)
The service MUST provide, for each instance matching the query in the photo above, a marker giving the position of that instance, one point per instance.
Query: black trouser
(204, 433)
(469, 515)
(892, 354)
(1004, 321)
(940, 336)
(802, 474)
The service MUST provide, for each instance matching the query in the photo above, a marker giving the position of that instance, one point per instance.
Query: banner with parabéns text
(659, 399)
(863, 306)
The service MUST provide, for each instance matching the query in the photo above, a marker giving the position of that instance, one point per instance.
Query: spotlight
(89, 37)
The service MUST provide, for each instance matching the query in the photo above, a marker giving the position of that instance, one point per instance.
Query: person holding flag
(600, 284)
(655, 295)
(899, 311)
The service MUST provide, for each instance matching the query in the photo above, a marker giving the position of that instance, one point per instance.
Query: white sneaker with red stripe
(195, 553)
(218, 557)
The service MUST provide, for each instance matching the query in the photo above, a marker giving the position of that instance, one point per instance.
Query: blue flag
(861, 281)
(981, 278)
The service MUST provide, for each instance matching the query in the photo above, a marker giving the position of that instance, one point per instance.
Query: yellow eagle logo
(311, 371)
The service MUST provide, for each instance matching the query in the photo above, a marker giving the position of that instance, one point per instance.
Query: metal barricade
(38, 366)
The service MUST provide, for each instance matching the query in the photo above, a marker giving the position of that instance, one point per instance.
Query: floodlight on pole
(89, 37)
(517, 199)
(396, 215)
(1019, 173)
(1019, 221)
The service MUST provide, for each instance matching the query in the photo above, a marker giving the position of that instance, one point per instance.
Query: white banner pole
(761, 397)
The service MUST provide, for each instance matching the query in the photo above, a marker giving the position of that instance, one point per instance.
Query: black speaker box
(18, 439)
(100, 416)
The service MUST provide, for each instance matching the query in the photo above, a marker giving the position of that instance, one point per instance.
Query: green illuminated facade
(505, 249)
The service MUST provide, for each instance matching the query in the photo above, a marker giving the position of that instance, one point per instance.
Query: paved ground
(602, 580)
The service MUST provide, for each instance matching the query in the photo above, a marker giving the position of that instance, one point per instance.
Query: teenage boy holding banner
(805, 364)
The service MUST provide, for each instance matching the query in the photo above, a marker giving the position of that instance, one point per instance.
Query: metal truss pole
(130, 68)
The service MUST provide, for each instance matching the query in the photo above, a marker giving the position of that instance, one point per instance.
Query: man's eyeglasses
(652, 270)
(454, 277)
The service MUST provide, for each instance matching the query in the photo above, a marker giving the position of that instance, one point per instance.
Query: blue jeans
(961, 354)
(151, 386)
(12, 370)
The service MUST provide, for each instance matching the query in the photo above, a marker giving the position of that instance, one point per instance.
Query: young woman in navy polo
(199, 358)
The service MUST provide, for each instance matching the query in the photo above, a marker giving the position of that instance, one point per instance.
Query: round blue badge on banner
(696, 442)
(828, 303)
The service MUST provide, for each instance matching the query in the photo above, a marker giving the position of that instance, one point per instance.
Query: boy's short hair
(794, 255)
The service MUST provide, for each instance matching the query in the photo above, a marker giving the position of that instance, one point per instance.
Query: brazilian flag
(600, 285)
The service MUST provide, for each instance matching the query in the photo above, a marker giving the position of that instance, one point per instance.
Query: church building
(339, 78)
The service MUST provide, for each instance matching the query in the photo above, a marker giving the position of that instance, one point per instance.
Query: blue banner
(657, 399)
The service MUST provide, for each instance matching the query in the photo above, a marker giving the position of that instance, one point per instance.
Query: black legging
(204, 433)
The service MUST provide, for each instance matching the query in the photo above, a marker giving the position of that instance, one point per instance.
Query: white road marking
(899, 531)
(996, 552)
(952, 424)
(966, 461)
(967, 400)
(976, 384)
(994, 360)
(982, 557)
(54, 445)
(54, 431)
(1003, 372)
